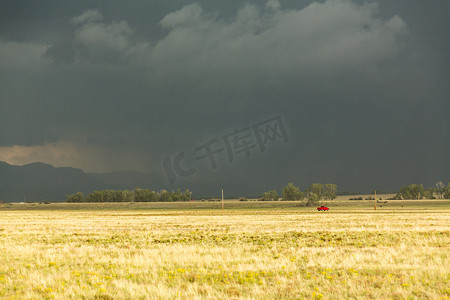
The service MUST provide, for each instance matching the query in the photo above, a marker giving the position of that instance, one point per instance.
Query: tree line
(315, 193)
(138, 195)
(417, 191)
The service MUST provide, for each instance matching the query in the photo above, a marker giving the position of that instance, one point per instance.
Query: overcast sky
(344, 91)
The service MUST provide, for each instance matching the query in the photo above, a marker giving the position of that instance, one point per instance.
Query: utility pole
(222, 199)
(375, 201)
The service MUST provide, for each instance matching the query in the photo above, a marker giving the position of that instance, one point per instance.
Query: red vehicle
(323, 208)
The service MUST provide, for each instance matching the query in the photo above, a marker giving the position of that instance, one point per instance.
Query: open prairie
(262, 250)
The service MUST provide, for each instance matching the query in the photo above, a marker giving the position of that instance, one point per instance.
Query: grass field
(263, 250)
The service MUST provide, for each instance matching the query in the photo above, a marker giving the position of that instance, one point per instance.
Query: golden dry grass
(280, 252)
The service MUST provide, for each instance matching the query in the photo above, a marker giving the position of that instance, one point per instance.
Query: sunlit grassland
(152, 250)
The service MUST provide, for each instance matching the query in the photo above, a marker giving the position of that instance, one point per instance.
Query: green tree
(446, 193)
(145, 195)
(165, 196)
(186, 196)
(417, 191)
(176, 196)
(127, 196)
(429, 193)
(412, 191)
(112, 196)
(440, 189)
(404, 193)
(75, 198)
(96, 196)
(315, 188)
(312, 199)
(292, 193)
(329, 191)
(270, 196)
(314, 194)
(318, 192)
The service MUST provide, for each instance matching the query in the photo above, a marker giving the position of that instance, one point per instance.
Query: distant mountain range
(39, 182)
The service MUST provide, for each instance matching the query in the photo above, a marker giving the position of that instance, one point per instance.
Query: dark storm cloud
(362, 87)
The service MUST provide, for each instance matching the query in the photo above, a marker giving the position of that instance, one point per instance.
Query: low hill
(43, 182)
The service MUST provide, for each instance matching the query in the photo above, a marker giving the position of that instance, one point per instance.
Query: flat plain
(250, 250)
